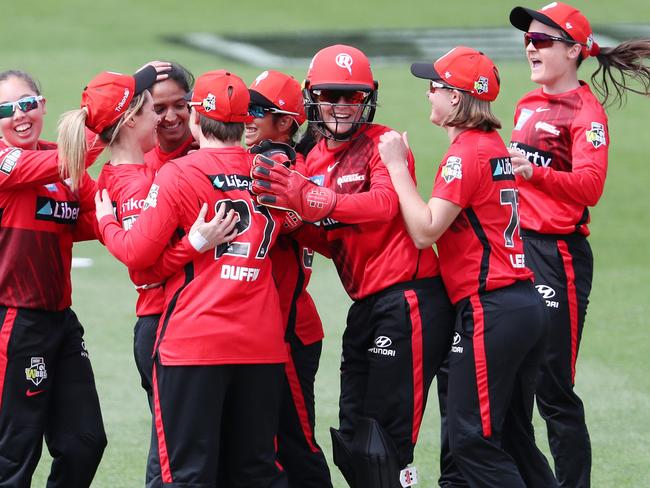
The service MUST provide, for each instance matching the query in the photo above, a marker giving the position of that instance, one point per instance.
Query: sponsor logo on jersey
(534, 155)
(152, 197)
(8, 159)
(596, 135)
(542, 109)
(132, 204)
(127, 222)
(84, 350)
(318, 179)
(455, 347)
(453, 169)
(524, 115)
(382, 343)
(329, 223)
(547, 293)
(330, 167)
(481, 85)
(501, 169)
(61, 212)
(37, 372)
(341, 180)
(546, 127)
(408, 477)
(224, 182)
(518, 260)
(239, 273)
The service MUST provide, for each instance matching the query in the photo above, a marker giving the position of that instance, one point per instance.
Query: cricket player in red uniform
(130, 134)
(169, 99)
(219, 353)
(400, 326)
(278, 112)
(559, 151)
(500, 319)
(47, 387)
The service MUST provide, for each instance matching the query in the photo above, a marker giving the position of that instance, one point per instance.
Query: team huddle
(216, 201)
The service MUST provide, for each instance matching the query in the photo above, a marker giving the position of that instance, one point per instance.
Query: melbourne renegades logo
(344, 60)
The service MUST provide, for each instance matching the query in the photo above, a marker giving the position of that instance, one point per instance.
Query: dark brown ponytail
(620, 65)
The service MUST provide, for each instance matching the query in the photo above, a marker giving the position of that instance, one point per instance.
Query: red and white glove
(277, 186)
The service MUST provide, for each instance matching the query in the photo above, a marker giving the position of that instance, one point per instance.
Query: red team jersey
(366, 235)
(292, 268)
(565, 137)
(155, 158)
(223, 309)
(481, 250)
(40, 218)
(128, 186)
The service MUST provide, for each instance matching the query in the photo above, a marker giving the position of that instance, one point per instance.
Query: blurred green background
(65, 43)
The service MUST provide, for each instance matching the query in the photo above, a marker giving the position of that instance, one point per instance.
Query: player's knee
(465, 444)
(84, 449)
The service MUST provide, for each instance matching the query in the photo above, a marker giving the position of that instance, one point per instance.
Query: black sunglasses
(540, 40)
(259, 111)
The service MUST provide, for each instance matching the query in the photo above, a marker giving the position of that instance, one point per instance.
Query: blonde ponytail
(72, 145)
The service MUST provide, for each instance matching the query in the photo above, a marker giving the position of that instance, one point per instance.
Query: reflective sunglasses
(259, 111)
(540, 40)
(26, 104)
(436, 85)
(348, 96)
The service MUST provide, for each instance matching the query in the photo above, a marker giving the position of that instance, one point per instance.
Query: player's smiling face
(172, 108)
(551, 65)
(339, 119)
(146, 123)
(23, 128)
(261, 128)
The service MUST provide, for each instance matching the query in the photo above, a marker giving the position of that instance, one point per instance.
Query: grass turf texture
(65, 43)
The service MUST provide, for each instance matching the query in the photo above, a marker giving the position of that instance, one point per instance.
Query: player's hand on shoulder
(221, 229)
(103, 205)
(520, 165)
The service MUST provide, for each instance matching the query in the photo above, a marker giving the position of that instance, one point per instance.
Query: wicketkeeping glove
(277, 186)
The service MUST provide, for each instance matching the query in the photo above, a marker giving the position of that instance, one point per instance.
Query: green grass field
(65, 43)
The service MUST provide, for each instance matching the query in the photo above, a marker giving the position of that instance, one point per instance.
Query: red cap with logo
(108, 95)
(463, 68)
(280, 91)
(221, 95)
(560, 16)
(340, 67)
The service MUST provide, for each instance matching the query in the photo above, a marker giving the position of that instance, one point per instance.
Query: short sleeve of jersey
(590, 137)
(458, 177)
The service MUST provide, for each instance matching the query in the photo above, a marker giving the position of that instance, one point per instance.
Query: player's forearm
(582, 187)
(415, 212)
(131, 248)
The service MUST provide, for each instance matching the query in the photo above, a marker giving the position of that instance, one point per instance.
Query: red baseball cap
(560, 16)
(340, 67)
(109, 94)
(280, 91)
(221, 95)
(463, 68)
